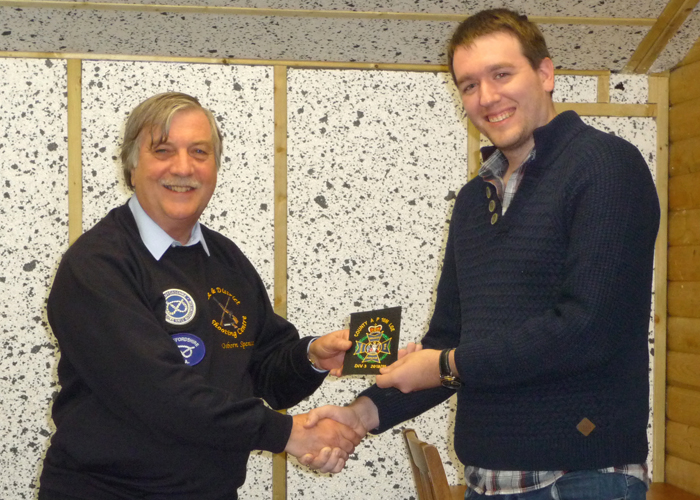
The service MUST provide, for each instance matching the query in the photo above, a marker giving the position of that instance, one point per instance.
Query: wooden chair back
(428, 471)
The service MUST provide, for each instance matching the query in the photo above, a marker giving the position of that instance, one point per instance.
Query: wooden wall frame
(657, 106)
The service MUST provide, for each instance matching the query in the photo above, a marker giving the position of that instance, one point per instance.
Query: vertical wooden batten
(658, 93)
(473, 150)
(604, 88)
(279, 460)
(75, 171)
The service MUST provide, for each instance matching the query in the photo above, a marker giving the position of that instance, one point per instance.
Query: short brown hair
(488, 22)
(155, 114)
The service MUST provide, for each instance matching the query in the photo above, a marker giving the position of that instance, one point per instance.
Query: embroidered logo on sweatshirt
(179, 307)
(191, 347)
(228, 319)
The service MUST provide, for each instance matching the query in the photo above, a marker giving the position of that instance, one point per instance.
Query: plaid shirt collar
(495, 166)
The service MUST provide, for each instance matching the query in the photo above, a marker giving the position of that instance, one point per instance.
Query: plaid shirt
(498, 482)
(508, 482)
(495, 166)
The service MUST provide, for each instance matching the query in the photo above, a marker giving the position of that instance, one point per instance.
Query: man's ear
(546, 72)
(133, 174)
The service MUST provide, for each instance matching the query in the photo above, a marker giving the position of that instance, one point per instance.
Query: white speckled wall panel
(33, 235)
(590, 8)
(572, 88)
(375, 160)
(582, 46)
(210, 35)
(575, 46)
(680, 44)
(629, 89)
(242, 208)
(640, 131)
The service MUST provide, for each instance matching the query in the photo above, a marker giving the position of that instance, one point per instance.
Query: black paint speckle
(30, 265)
(321, 201)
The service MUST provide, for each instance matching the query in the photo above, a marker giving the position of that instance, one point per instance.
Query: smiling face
(175, 180)
(503, 95)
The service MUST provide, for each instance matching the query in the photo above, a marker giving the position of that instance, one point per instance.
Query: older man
(542, 311)
(168, 340)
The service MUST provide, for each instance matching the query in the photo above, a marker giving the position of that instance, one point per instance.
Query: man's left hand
(415, 371)
(328, 352)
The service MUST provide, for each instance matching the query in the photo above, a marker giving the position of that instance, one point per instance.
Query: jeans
(580, 485)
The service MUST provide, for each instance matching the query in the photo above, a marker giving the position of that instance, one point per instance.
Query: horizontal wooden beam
(693, 55)
(684, 299)
(683, 406)
(683, 473)
(664, 491)
(684, 334)
(683, 83)
(684, 191)
(685, 156)
(683, 369)
(344, 14)
(684, 263)
(684, 227)
(607, 109)
(684, 120)
(683, 441)
(440, 68)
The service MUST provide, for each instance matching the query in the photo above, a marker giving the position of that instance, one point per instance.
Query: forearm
(286, 376)
(393, 406)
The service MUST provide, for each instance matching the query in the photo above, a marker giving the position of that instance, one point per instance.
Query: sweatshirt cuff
(275, 432)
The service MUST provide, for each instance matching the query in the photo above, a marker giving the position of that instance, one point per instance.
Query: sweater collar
(552, 138)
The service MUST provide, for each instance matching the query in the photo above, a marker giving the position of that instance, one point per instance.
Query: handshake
(324, 438)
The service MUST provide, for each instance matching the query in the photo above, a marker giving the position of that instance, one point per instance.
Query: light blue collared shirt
(155, 238)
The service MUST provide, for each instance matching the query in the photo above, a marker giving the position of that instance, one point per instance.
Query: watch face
(451, 382)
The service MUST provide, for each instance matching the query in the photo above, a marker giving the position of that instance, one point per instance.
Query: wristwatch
(447, 378)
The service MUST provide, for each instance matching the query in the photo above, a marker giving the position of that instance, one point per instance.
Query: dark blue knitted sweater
(549, 310)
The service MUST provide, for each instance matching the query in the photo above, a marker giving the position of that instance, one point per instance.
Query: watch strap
(445, 363)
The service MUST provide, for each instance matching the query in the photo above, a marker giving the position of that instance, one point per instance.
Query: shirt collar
(495, 163)
(155, 238)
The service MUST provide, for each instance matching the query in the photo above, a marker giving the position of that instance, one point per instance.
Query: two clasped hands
(324, 438)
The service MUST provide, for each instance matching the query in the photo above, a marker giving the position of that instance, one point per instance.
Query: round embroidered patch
(179, 307)
(191, 347)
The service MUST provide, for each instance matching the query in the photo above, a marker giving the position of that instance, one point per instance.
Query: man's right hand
(325, 445)
(361, 416)
(357, 416)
